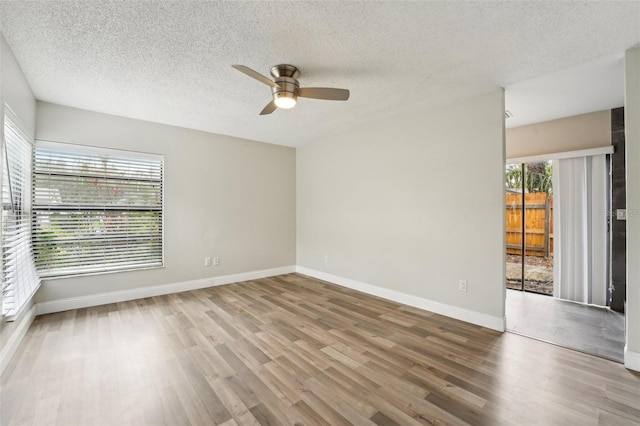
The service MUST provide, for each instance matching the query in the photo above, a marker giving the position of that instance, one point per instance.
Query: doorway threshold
(597, 331)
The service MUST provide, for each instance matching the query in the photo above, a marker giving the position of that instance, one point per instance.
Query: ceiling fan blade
(254, 74)
(324, 93)
(271, 106)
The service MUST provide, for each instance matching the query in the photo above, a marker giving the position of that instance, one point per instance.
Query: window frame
(80, 149)
(17, 293)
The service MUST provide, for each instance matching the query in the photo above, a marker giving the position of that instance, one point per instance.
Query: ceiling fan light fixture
(286, 89)
(285, 100)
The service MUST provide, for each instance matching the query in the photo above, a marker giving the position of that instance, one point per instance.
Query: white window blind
(96, 210)
(19, 277)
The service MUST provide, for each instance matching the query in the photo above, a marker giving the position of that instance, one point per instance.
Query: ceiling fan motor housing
(285, 76)
(285, 70)
(288, 88)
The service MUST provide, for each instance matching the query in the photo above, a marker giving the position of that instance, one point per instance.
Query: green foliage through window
(538, 177)
(96, 210)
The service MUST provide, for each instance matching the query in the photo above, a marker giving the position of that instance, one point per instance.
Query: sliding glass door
(514, 226)
(529, 227)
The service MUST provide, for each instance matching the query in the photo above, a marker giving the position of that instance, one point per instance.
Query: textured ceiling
(170, 62)
(583, 88)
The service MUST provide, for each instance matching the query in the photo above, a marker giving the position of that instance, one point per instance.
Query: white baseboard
(631, 359)
(16, 337)
(473, 317)
(156, 290)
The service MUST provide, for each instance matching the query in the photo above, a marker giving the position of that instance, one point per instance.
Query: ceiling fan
(286, 90)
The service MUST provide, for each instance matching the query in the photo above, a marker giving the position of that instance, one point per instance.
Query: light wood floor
(298, 351)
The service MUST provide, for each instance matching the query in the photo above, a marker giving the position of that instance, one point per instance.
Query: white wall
(632, 149)
(225, 197)
(15, 92)
(412, 205)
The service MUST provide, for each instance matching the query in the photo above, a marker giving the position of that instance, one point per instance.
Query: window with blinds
(19, 277)
(95, 210)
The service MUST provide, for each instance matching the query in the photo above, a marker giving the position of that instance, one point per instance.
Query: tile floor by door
(593, 330)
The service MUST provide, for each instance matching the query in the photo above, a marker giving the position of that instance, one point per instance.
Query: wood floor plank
(344, 394)
(294, 350)
(312, 355)
(286, 382)
(382, 420)
(393, 412)
(308, 415)
(356, 415)
(247, 419)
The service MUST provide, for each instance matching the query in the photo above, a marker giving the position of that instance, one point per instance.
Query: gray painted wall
(632, 147)
(224, 197)
(584, 131)
(411, 204)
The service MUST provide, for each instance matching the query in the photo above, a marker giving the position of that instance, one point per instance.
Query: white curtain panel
(580, 234)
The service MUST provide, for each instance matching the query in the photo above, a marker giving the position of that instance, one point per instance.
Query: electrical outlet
(216, 261)
(326, 258)
(462, 285)
(207, 261)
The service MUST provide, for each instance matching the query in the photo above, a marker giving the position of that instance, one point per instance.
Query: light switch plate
(621, 214)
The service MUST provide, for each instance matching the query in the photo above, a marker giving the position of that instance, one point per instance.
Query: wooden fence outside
(538, 224)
